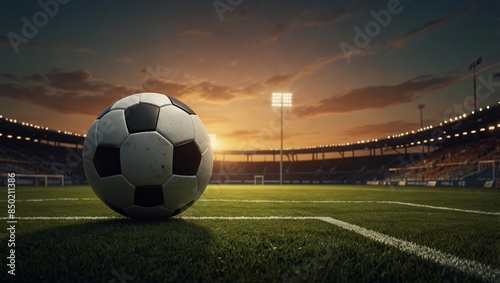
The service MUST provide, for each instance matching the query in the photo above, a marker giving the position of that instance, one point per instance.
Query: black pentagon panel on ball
(182, 106)
(141, 117)
(104, 112)
(107, 160)
(148, 196)
(187, 158)
(179, 210)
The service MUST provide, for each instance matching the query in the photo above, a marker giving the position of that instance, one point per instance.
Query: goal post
(488, 170)
(258, 179)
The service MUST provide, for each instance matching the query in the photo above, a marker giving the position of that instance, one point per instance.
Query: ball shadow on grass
(121, 250)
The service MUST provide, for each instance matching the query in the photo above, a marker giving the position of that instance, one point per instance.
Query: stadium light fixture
(473, 67)
(281, 100)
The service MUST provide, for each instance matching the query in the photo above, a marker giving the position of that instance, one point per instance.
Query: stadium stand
(464, 149)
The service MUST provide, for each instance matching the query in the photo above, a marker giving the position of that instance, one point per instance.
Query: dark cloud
(68, 102)
(66, 92)
(9, 76)
(36, 78)
(79, 92)
(375, 97)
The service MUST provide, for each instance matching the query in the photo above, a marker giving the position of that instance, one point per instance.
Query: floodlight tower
(281, 100)
(421, 107)
(473, 67)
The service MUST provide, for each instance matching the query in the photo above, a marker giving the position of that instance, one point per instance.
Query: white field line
(485, 272)
(354, 201)
(295, 201)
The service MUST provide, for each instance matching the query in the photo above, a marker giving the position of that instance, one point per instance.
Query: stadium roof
(10, 128)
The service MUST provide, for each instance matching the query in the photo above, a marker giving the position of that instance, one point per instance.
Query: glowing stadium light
(1, 134)
(213, 140)
(491, 128)
(482, 129)
(27, 138)
(35, 140)
(431, 140)
(1, 116)
(9, 136)
(498, 126)
(473, 131)
(464, 133)
(480, 109)
(456, 135)
(440, 138)
(280, 99)
(19, 137)
(488, 107)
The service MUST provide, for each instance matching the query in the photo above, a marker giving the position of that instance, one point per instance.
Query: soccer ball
(148, 155)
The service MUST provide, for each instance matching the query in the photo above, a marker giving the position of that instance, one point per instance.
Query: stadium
(250, 141)
(462, 151)
(317, 181)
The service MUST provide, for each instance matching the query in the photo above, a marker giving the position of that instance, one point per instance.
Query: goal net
(258, 180)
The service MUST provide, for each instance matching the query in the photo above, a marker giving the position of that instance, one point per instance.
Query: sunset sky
(357, 69)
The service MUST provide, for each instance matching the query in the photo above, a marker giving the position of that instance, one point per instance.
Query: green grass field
(269, 233)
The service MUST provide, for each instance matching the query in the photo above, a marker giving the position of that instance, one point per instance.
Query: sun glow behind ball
(148, 156)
